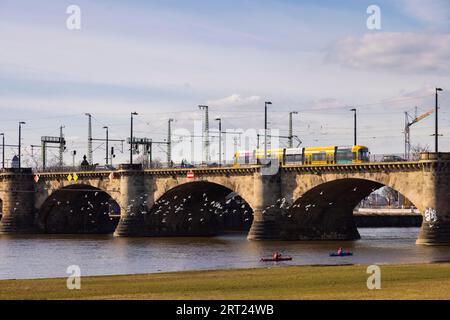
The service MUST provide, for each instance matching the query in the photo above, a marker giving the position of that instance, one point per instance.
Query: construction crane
(408, 125)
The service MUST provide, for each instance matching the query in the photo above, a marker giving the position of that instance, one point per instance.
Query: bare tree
(417, 149)
(390, 194)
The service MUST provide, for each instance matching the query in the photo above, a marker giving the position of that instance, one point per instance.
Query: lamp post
(354, 127)
(20, 142)
(291, 131)
(265, 128)
(112, 155)
(3, 150)
(107, 144)
(74, 153)
(89, 150)
(436, 129)
(220, 140)
(169, 142)
(131, 137)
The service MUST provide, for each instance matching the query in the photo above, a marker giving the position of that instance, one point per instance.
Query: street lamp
(354, 127)
(436, 131)
(220, 140)
(89, 150)
(20, 142)
(291, 131)
(131, 137)
(265, 128)
(169, 142)
(3, 150)
(74, 153)
(107, 144)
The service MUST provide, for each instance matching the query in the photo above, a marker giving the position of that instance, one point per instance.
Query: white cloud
(405, 52)
(236, 100)
(429, 11)
(326, 104)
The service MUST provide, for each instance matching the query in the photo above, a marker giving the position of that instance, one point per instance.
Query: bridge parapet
(127, 167)
(363, 167)
(10, 173)
(224, 171)
(441, 156)
(16, 170)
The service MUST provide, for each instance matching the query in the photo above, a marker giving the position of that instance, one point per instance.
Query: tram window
(243, 160)
(319, 156)
(363, 155)
(294, 158)
(344, 155)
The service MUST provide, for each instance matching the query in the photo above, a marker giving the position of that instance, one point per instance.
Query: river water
(41, 256)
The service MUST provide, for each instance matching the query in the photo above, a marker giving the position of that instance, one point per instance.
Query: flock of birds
(182, 209)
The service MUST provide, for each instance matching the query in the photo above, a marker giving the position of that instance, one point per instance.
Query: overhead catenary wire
(276, 117)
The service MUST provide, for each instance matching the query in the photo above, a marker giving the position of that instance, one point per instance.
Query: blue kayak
(342, 254)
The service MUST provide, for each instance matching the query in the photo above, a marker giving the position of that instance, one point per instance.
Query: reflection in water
(36, 256)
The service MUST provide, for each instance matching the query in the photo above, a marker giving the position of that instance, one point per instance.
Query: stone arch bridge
(296, 203)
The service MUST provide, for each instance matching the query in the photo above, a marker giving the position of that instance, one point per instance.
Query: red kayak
(286, 258)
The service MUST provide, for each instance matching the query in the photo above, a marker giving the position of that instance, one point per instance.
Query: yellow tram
(306, 156)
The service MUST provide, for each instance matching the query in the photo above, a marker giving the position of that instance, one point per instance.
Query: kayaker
(276, 255)
(339, 252)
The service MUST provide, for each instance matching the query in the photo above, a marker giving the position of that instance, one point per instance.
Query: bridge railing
(74, 169)
(392, 157)
(156, 165)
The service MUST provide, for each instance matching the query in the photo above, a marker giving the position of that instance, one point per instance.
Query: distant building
(15, 162)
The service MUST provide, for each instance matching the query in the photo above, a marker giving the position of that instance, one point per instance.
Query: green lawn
(421, 281)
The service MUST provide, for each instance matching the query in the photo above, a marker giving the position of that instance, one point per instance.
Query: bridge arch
(325, 210)
(78, 209)
(198, 208)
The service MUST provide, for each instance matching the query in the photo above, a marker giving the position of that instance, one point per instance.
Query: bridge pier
(132, 201)
(435, 228)
(435, 234)
(18, 201)
(266, 192)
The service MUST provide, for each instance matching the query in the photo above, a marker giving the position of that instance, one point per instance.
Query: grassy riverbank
(421, 281)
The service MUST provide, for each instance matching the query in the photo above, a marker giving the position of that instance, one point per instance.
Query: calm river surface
(38, 256)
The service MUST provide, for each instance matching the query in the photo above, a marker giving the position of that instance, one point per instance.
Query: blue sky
(163, 58)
